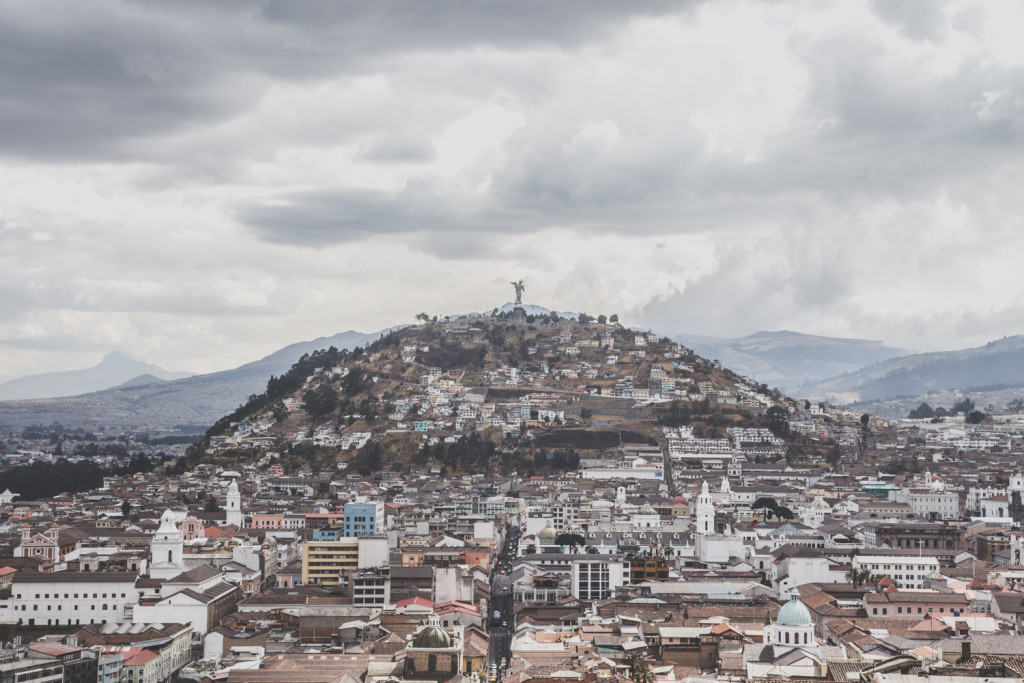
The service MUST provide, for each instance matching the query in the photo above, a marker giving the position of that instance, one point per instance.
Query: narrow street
(501, 619)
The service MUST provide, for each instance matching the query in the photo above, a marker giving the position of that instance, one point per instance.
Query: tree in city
(964, 405)
(778, 421)
(126, 508)
(211, 505)
(975, 417)
(922, 412)
(858, 576)
(639, 670)
(320, 401)
(530, 549)
(574, 541)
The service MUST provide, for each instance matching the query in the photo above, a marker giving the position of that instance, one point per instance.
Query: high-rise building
(364, 518)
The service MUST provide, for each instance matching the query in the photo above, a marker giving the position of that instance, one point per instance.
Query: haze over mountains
(120, 391)
(198, 400)
(114, 369)
(996, 365)
(786, 359)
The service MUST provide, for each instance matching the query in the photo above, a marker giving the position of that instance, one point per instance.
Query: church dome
(547, 532)
(433, 637)
(794, 612)
(820, 503)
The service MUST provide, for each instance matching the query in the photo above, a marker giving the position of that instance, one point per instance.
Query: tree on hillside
(584, 318)
(320, 401)
(922, 412)
(355, 381)
(965, 406)
(778, 421)
(975, 417)
(602, 319)
(423, 317)
(614, 318)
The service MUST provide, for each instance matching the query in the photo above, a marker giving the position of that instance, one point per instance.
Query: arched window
(432, 663)
(786, 637)
(170, 556)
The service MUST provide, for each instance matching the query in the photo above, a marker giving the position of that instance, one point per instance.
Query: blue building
(364, 518)
(327, 534)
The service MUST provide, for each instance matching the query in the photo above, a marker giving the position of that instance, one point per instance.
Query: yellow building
(322, 561)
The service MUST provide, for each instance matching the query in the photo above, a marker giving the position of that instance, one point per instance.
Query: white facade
(167, 549)
(938, 504)
(233, 505)
(704, 511)
(373, 552)
(596, 579)
(70, 598)
(908, 571)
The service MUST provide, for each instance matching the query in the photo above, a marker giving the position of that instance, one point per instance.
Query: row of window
(909, 610)
(56, 596)
(49, 608)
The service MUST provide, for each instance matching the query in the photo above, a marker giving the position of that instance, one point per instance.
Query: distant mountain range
(113, 370)
(996, 365)
(152, 401)
(787, 359)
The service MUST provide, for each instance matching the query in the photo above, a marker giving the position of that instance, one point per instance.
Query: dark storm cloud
(318, 218)
(104, 80)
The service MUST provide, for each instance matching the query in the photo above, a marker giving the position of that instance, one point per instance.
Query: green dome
(794, 612)
(433, 637)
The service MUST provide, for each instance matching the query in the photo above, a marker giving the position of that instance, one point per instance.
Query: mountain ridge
(790, 359)
(998, 362)
(198, 399)
(114, 369)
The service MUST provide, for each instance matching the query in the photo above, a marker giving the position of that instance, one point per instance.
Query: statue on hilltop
(520, 288)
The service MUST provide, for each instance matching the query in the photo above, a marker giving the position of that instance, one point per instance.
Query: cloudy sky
(199, 183)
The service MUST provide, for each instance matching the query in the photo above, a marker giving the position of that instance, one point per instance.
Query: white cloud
(198, 186)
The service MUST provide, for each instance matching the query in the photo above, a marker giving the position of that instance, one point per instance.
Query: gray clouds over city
(200, 183)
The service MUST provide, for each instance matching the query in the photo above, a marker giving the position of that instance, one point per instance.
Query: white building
(233, 505)
(70, 598)
(167, 548)
(909, 571)
(596, 579)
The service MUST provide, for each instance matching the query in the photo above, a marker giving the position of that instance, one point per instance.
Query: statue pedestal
(518, 316)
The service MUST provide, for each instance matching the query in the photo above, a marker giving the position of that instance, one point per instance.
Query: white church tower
(704, 511)
(234, 505)
(166, 549)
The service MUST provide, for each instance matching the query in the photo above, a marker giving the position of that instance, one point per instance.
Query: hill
(996, 364)
(197, 400)
(113, 370)
(495, 394)
(789, 360)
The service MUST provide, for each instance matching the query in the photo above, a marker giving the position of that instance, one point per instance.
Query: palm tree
(640, 672)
